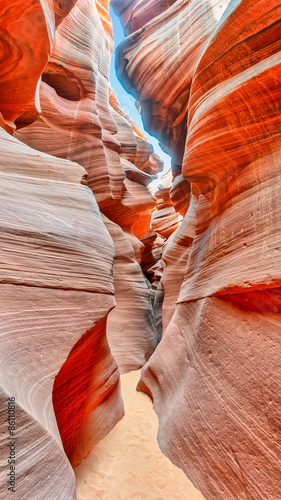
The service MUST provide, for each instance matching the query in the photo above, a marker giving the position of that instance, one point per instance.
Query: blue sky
(127, 101)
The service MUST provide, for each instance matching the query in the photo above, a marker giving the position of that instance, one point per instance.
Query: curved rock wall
(56, 284)
(72, 289)
(82, 121)
(177, 35)
(215, 377)
(131, 327)
(60, 274)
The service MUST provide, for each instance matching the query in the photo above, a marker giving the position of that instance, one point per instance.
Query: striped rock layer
(207, 75)
(56, 292)
(68, 272)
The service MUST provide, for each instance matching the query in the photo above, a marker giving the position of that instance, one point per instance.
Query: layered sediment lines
(131, 328)
(76, 306)
(56, 284)
(82, 121)
(61, 275)
(176, 35)
(214, 377)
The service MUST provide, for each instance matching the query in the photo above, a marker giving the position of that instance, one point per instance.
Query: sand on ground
(128, 463)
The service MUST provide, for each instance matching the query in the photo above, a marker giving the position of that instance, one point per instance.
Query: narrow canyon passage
(128, 464)
(106, 268)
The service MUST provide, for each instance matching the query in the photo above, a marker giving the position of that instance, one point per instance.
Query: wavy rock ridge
(77, 231)
(68, 272)
(213, 100)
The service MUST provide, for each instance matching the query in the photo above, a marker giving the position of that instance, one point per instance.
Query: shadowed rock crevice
(65, 83)
(80, 388)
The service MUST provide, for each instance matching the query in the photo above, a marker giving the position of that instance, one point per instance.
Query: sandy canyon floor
(128, 464)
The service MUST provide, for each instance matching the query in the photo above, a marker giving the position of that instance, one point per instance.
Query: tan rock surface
(165, 219)
(57, 256)
(206, 76)
(56, 285)
(82, 120)
(175, 261)
(131, 327)
(76, 113)
(227, 402)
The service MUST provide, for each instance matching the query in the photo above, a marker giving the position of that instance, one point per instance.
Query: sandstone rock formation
(27, 35)
(177, 35)
(60, 272)
(131, 328)
(165, 219)
(82, 120)
(214, 376)
(90, 283)
(56, 292)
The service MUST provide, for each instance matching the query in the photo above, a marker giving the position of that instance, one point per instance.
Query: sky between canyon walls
(128, 102)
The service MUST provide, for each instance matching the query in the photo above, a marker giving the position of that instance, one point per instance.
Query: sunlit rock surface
(206, 75)
(165, 219)
(213, 101)
(27, 35)
(136, 13)
(76, 116)
(81, 118)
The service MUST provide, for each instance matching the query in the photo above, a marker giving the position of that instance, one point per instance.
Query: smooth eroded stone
(136, 13)
(214, 376)
(77, 122)
(131, 327)
(41, 222)
(56, 289)
(27, 33)
(180, 194)
(57, 278)
(157, 63)
(218, 365)
(78, 404)
(39, 327)
(152, 251)
(175, 257)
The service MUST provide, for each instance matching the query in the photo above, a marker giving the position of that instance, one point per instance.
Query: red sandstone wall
(214, 376)
(59, 274)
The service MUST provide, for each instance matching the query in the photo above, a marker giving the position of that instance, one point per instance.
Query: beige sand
(128, 464)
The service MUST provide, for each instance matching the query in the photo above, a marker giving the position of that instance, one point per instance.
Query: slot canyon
(164, 297)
